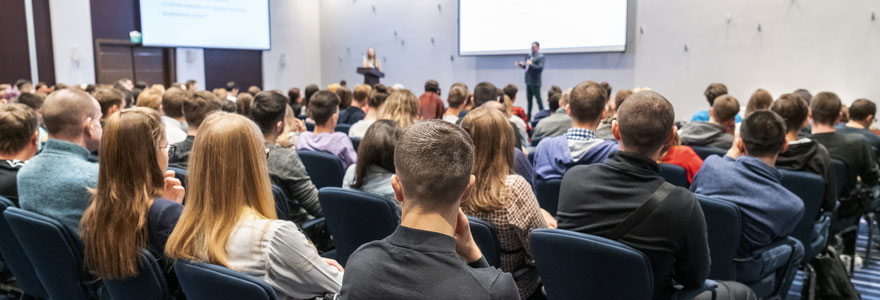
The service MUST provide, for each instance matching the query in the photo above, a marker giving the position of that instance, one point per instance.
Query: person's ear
(398, 188)
(568, 109)
(869, 120)
(279, 127)
(35, 139)
(604, 111)
(839, 116)
(711, 112)
(466, 196)
(161, 108)
(615, 130)
(784, 146)
(740, 146)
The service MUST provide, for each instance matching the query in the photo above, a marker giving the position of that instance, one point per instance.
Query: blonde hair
(494, 141)
(149, 99)
(401, 106)
(227, 177)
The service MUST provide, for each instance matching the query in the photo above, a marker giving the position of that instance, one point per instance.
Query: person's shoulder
(517, 182)
(498, 284)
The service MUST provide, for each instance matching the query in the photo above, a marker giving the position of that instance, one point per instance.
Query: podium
(371, 75)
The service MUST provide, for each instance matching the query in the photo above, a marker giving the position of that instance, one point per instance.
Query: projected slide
(489, 27)
(231, 24)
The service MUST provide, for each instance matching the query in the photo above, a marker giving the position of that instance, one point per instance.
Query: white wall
(295, 36)
(190, 65)
(72, 41)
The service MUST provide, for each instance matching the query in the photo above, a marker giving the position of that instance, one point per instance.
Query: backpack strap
(642, 212)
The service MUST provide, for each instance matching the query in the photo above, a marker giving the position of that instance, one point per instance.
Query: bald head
(66, 111)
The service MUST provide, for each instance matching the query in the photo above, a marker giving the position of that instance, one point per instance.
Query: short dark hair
(451, 150)
(457, 96)
(763, 133)
(243, 104)
(510, 90)
(587, 101)
(267, 109)
(761, 99)
(361, 92)
(108, 97)
(199, 106)
(825, 107)
(484, 92)
(345, 97)
(377, 149)
(378, 95)
(292, 95)
(31, 100)
(714, 90)
(645, 120)
(18, 122)
(230, 86)
(804, 94)
(860, 109)
(172, 102)
(537, 44)
(792, 109)
(620, 97)
(323, 105)
(725, 108)
(554, 89)
(432, 86)
(553, 102)
(607, 87)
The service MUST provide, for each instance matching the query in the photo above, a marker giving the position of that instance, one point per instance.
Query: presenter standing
(370, 60)
(371, 68)
(533, 65)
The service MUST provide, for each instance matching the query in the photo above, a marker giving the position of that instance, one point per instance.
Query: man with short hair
(456, 100)
(19, 140)
(35, 102)
(432, 254)
(554, 90)
(712, 92)
(718, 131)
(556, 124)
(268, 110)
(579, 145)
(604, 129)
(56, 183)
(195, 109)
(324, 109)
(191, 85)
(111, 101)
(172, 115)
(861, 116)
(431, 105)
(533, 65)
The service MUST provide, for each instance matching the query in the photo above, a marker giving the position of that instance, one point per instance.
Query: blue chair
(487, 240)
(355, 142)
(703, 152)
(812, 231)
(547, 192)
(768, 271)
(149, 283)
(17, 260)
(355, 218)
(532, 157)
(282, 208)
(325, 169)
(310, 126)
(675, 174)
(201, 281)
(574, 265)
(343, 128)
(56, 254)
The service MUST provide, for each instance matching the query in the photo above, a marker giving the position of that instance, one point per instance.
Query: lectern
(371, 75)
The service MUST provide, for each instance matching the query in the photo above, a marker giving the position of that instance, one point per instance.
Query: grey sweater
(289, 173)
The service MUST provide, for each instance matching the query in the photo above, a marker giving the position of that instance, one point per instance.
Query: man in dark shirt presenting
(595, 198)
(533, 65)
(432, 254)
(18, 143)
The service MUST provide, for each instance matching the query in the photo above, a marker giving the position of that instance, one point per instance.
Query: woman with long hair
(370, 60)
(401, 106)
(502, 197)
(230, 220)
(375, 165)
(137, 202)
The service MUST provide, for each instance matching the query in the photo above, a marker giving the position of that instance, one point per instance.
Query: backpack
(831, 280)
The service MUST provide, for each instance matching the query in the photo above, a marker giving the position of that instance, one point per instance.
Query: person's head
(310, 91)
(268, 110)
(510, 91)
(461, 85)
(19, 137)
(199, 106)
(587, 103)
(191, 85)
(220, 93)
(825, 108)
(761, 99)
(324, 108)
(844, 114)
(111, 100)
(494, 141)
(484, 92)
(862, 111)
(150, 99)
(172, 102)
(724, 110)
(227, 179)
(401, 106)
(371, 53)
(361, 93)
(804, 94)
(554, 89)
(133, 155)
(536, 47)
(645, 123)
(618, 99)
(24, 85)
(31, 100)
(254, 90)
(378, 96)
(74, 116)
(432, 86)
(762, 134)
(345, 97)
(714, 90)
(793, 110)
(231, 87)
(377, 149)
(457, 97)
(293, 96)
(442, 187)
(553, 101)
(243, 103)
(607, 87)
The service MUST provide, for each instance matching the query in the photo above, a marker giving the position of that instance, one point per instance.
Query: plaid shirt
(579, 134)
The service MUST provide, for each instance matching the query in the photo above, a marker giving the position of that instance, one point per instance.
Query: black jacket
(807, 155)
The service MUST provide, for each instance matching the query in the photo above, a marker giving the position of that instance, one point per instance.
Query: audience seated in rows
(510, 90)
(56, 183)
(196, 108)
(432, 254)
(713, 91)
(137, 202)
(268, 111)
(230, 220)
(579, 145)
(375, 165)
(456, 99)
(430, 103)
(555, 124)
(172, 115)
(297, 101)
(718, 131)
(35, 102)
(604, 129)
(375, 104)
(861, 116)
(324, 109)
(19, 140)
(554, 90)
(804, 154)
(682, 156)
(485, 92)
(747, 177)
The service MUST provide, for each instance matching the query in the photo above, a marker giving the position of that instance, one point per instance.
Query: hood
(798, 155)
(700, 133)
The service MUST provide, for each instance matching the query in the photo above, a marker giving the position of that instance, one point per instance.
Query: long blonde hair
(227, 176)
(401, 106)
(114, 226)
(494, 141)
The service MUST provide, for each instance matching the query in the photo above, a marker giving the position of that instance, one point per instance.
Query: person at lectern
(370, 60)
(533, 65)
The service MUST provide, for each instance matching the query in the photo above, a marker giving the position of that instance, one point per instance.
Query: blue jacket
(554, 155)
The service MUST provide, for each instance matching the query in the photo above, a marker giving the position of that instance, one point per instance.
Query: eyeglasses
(170, 148)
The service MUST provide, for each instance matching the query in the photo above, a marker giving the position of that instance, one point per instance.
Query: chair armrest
(688, 294)
(764, 261)
(310, 223)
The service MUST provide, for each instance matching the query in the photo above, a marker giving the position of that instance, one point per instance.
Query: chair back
(325, 169)
(282, 208)
(486, 238)
(149, 283)
(355, 142)
(343, 128)
(844, 178)
(574, 265)
(16, 259)
(55, 253)
(180, 174)
(724, 229)
(704, 151)
(201, 281)
(675, 174)
(310, 126)
(547, 192)
(532, 157)
(355, 218)
(810, 188)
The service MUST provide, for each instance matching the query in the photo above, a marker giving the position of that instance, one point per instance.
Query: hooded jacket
(705, 134)
(806, 155)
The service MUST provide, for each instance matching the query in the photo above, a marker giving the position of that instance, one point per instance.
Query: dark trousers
(533, 91)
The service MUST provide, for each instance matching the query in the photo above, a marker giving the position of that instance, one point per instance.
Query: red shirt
(685, 157)
(431, 106)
